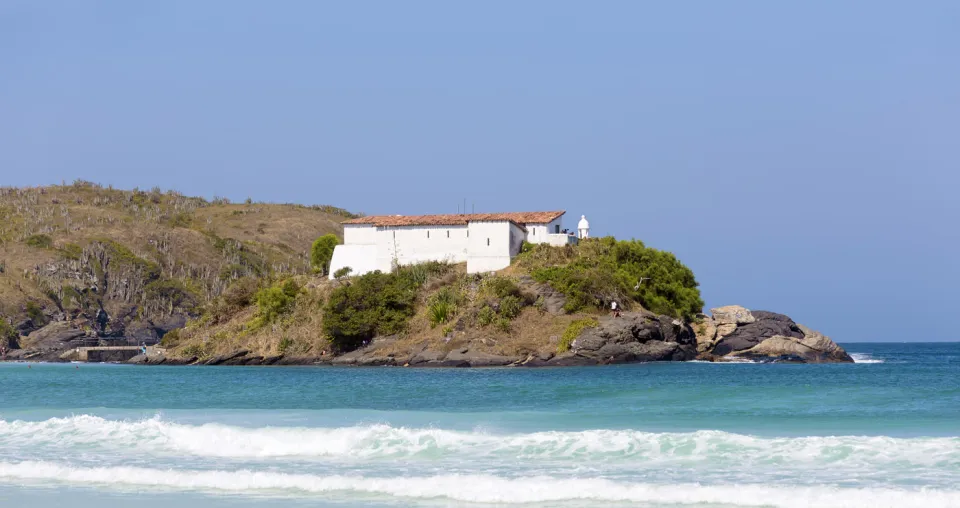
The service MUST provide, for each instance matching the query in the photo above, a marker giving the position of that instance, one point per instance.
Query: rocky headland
(214, 283)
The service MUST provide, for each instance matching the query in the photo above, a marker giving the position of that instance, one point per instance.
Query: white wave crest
(864, 358)
(481, 488)
(158, 437)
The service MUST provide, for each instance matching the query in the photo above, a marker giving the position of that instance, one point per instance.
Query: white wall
(488, 248)
(539, 233)
(417, 244)
(360, 258)
(359, 234)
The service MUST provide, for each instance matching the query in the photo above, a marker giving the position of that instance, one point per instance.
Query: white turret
(583, 227)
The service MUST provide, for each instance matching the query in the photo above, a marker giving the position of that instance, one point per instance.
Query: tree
(322, 252)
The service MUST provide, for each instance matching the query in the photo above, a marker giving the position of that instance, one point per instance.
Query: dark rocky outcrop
(633, 337)
(734, 332)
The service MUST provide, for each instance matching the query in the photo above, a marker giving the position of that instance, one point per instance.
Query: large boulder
(816, 348)
(633, 337)
(764, 326)
(768, 336)
(732, 315)
(58, 335)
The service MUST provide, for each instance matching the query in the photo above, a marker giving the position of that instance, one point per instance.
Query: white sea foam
(163, 438)
(479, 488)
(864, 358)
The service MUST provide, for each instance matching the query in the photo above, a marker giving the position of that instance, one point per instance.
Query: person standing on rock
(615, 308)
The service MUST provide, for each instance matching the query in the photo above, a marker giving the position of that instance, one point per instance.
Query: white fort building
(485, 241)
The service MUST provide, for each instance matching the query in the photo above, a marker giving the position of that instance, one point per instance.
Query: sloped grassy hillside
(538, 304)
(132, 262)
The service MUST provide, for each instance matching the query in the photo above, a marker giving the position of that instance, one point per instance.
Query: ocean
(884, 432)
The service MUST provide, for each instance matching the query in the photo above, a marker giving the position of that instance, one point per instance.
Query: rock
(142, 333)
(553, 300)
(55, 336)
(426, 356)
(724, 330)
(814, 349)
(746, 336)
(221, 359)
(706, 334)
(633, 337)
(270, 360)
(733, 315)
(480, 359)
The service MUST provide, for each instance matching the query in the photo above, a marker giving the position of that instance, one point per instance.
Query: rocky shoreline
(731, 333)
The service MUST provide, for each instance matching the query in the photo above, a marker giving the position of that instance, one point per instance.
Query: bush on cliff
(8, 336)
(275, 301)
(322, 253)
(602, 270)
(372, 304)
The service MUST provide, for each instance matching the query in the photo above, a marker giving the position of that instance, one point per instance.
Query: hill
(215, 282)
(133, 264)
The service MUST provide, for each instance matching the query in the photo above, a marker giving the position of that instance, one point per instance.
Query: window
(448, 233)
(428, 234)
(557, 229)
(488, 242)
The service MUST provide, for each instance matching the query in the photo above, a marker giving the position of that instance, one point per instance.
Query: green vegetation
(8, 335)
(71, 251)
(373, 304)
(174, 292)
(486, 315)
(39, 241)
(573, 331)
(443, 305)
(322, 252)
(342, 272)
(602, 270)
(379, 303)
(35, 313)
(275, 301)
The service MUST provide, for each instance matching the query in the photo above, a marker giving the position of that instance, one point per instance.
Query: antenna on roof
(473, 207)
(464, 205)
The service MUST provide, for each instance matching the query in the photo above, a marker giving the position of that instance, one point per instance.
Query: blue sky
(800, 157)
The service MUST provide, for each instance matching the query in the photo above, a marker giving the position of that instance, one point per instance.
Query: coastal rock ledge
(734, 333)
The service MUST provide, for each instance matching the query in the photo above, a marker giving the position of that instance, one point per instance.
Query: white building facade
(485, 242)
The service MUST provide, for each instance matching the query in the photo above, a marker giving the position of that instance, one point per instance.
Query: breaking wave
(479, 488)
(159, 437)
(864, 358)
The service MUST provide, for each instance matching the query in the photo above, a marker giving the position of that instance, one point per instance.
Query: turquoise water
(882, 432)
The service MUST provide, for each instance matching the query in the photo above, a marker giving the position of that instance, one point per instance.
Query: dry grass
(181, 234)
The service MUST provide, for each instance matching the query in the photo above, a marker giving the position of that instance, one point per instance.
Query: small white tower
(583, 227)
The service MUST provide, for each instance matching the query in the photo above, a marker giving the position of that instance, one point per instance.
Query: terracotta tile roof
(519, 218)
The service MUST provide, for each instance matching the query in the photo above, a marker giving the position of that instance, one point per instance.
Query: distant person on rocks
(615, 308)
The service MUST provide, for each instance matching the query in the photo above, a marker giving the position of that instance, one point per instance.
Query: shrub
(284, 345)
(501, 287)
(35, 313)
(8, 336)
(71, 251)
(322, 252)
(342, 272)
(195, 350)
(173, 291)
(171, 338)
(602, 270)
(540, 304)
(241, 293)
(274, 301)
(440, 312)
(485, 316)
(373, 304)
(502, 324)
(39, 241)
(573, 331)
(510, 307)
